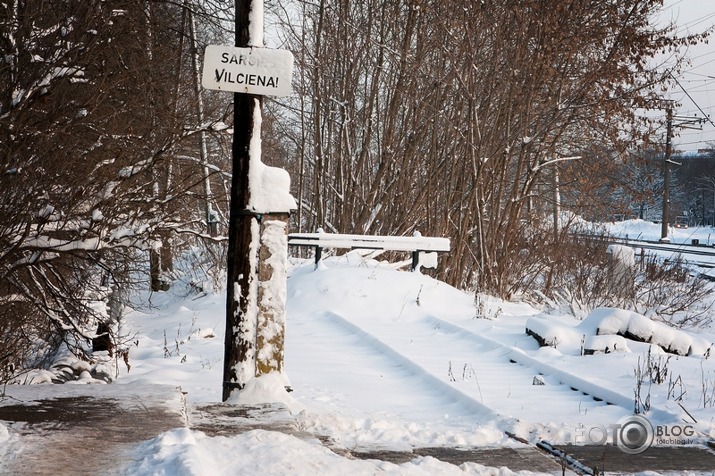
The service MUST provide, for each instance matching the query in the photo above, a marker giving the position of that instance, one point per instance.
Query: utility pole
(261, 203)
(239, 343)
(666, 177)
(557, 202)
(683, 123)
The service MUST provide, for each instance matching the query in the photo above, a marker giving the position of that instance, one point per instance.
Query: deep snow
(385, 359)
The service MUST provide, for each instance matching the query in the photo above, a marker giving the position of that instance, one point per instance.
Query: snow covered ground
(645, 230)
(385, 359)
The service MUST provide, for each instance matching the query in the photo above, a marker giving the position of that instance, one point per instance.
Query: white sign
(260, 71)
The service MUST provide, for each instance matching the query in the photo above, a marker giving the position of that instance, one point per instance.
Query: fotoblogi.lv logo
(635, 434)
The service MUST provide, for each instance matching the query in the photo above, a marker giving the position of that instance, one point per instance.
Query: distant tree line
(636, 188)
(695, 186)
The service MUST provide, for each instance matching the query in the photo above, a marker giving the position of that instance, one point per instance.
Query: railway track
(694, 254)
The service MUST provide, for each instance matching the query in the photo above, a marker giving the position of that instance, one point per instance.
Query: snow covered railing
(424, 249)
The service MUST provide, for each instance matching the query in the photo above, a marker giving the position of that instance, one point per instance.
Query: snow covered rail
(423, 248)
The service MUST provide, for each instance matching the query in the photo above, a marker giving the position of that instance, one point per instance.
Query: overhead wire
(690, 81)
(705, 83)
(707, 117)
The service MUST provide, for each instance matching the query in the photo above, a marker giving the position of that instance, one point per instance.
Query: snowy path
(387, 389)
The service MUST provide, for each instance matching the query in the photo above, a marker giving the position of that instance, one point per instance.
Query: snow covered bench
(424, 249)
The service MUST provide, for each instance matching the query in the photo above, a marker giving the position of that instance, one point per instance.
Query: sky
(697, 94)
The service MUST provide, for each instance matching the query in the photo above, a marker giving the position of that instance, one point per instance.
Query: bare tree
(99, 160)
(456, 118)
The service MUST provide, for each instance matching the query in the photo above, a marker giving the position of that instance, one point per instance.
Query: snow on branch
(549, 162)
(41, 85)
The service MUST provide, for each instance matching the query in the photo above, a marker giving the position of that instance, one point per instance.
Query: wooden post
(239, 343)
(258, 222)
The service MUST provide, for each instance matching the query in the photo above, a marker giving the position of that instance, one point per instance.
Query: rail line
(673, 249)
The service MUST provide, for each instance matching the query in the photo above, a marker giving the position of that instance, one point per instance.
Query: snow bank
(605, 344)
(631, 325)
(352, 284)
(183, 452)
(551, 333)
(622, 254)
(608, 329)
(375, 433)
(268, 388)
(607, 321)
(38, 376)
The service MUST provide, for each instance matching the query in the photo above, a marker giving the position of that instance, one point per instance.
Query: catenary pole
(666, 177)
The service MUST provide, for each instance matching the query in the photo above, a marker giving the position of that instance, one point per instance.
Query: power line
(706, 117)
(688, 25)
(699, 74)
(696, 22)
(702, 55)
(700, 65)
